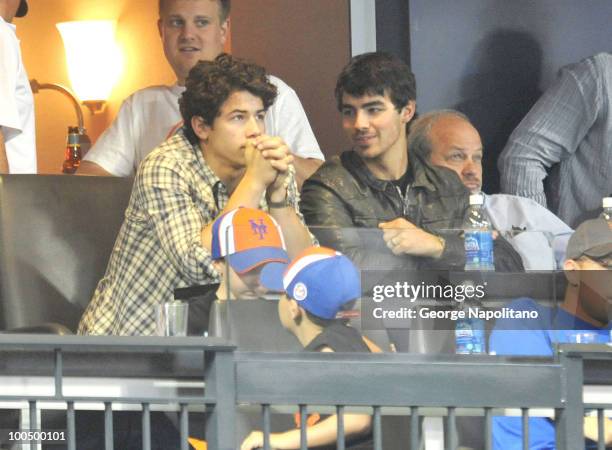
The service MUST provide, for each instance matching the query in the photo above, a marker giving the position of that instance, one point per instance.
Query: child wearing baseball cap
(319, 284)
(249, 252)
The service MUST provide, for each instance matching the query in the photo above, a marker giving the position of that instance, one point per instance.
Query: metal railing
(594, 369)
(417, 386)
(223, 381)
(111, 362)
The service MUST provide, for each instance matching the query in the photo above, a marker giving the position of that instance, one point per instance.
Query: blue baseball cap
(322, 280)
(250, 238)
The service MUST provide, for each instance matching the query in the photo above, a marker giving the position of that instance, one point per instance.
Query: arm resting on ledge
(91, 168)
(590, 429)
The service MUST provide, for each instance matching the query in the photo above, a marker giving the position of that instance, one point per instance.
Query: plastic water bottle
(606, 203)
(470, 337)
(470, 331)
(478, 236)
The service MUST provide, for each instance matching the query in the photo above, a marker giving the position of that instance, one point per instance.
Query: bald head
(447, 138)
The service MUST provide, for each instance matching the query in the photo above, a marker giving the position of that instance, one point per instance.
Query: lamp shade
(93, 57)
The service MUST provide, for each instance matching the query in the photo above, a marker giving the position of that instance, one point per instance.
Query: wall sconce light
(94, 60)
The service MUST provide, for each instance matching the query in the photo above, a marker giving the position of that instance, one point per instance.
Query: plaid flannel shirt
(159, 249)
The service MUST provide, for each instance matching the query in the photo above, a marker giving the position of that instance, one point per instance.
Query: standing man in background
(191, 30)
(569, 130)
(17, 129)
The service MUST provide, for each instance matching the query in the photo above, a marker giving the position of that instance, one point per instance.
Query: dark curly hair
(210, 84)
(377, 73)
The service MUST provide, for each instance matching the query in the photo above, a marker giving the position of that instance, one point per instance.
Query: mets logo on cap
(322, 280)
(250, 236)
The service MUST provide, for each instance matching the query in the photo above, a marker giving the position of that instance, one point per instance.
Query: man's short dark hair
(224, 8)
(210, 83)
(377, 73)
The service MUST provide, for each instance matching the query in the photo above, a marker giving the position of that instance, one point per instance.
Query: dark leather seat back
(56, 235)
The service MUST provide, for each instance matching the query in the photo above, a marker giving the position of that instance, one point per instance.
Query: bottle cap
(607, 202)
(476, 199)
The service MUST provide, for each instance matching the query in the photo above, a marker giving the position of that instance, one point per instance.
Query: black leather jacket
(348, 203)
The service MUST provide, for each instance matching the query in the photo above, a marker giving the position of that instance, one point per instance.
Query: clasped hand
(268, 159)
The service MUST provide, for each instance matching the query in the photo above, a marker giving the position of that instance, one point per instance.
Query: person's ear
(408, 111)
(225, 30)
(160, 25)
(221, 268)
(294, 310)
(200, 128)
(571, 270)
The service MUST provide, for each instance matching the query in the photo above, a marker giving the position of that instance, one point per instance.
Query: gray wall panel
(493, 58)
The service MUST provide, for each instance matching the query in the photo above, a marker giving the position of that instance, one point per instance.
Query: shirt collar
(176, 89)
(207, 171)
(420, 173)
(11, 25)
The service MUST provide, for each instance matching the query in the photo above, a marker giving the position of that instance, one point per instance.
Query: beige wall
(305, 43)
(43, 54)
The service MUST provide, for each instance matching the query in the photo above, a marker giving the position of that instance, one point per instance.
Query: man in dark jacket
(377, 203)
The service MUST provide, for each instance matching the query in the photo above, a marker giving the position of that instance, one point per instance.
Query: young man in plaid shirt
(221, 159)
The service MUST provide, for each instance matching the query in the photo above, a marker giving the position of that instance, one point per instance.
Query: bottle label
(470, 336)
(478, 249)
(72, 159)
